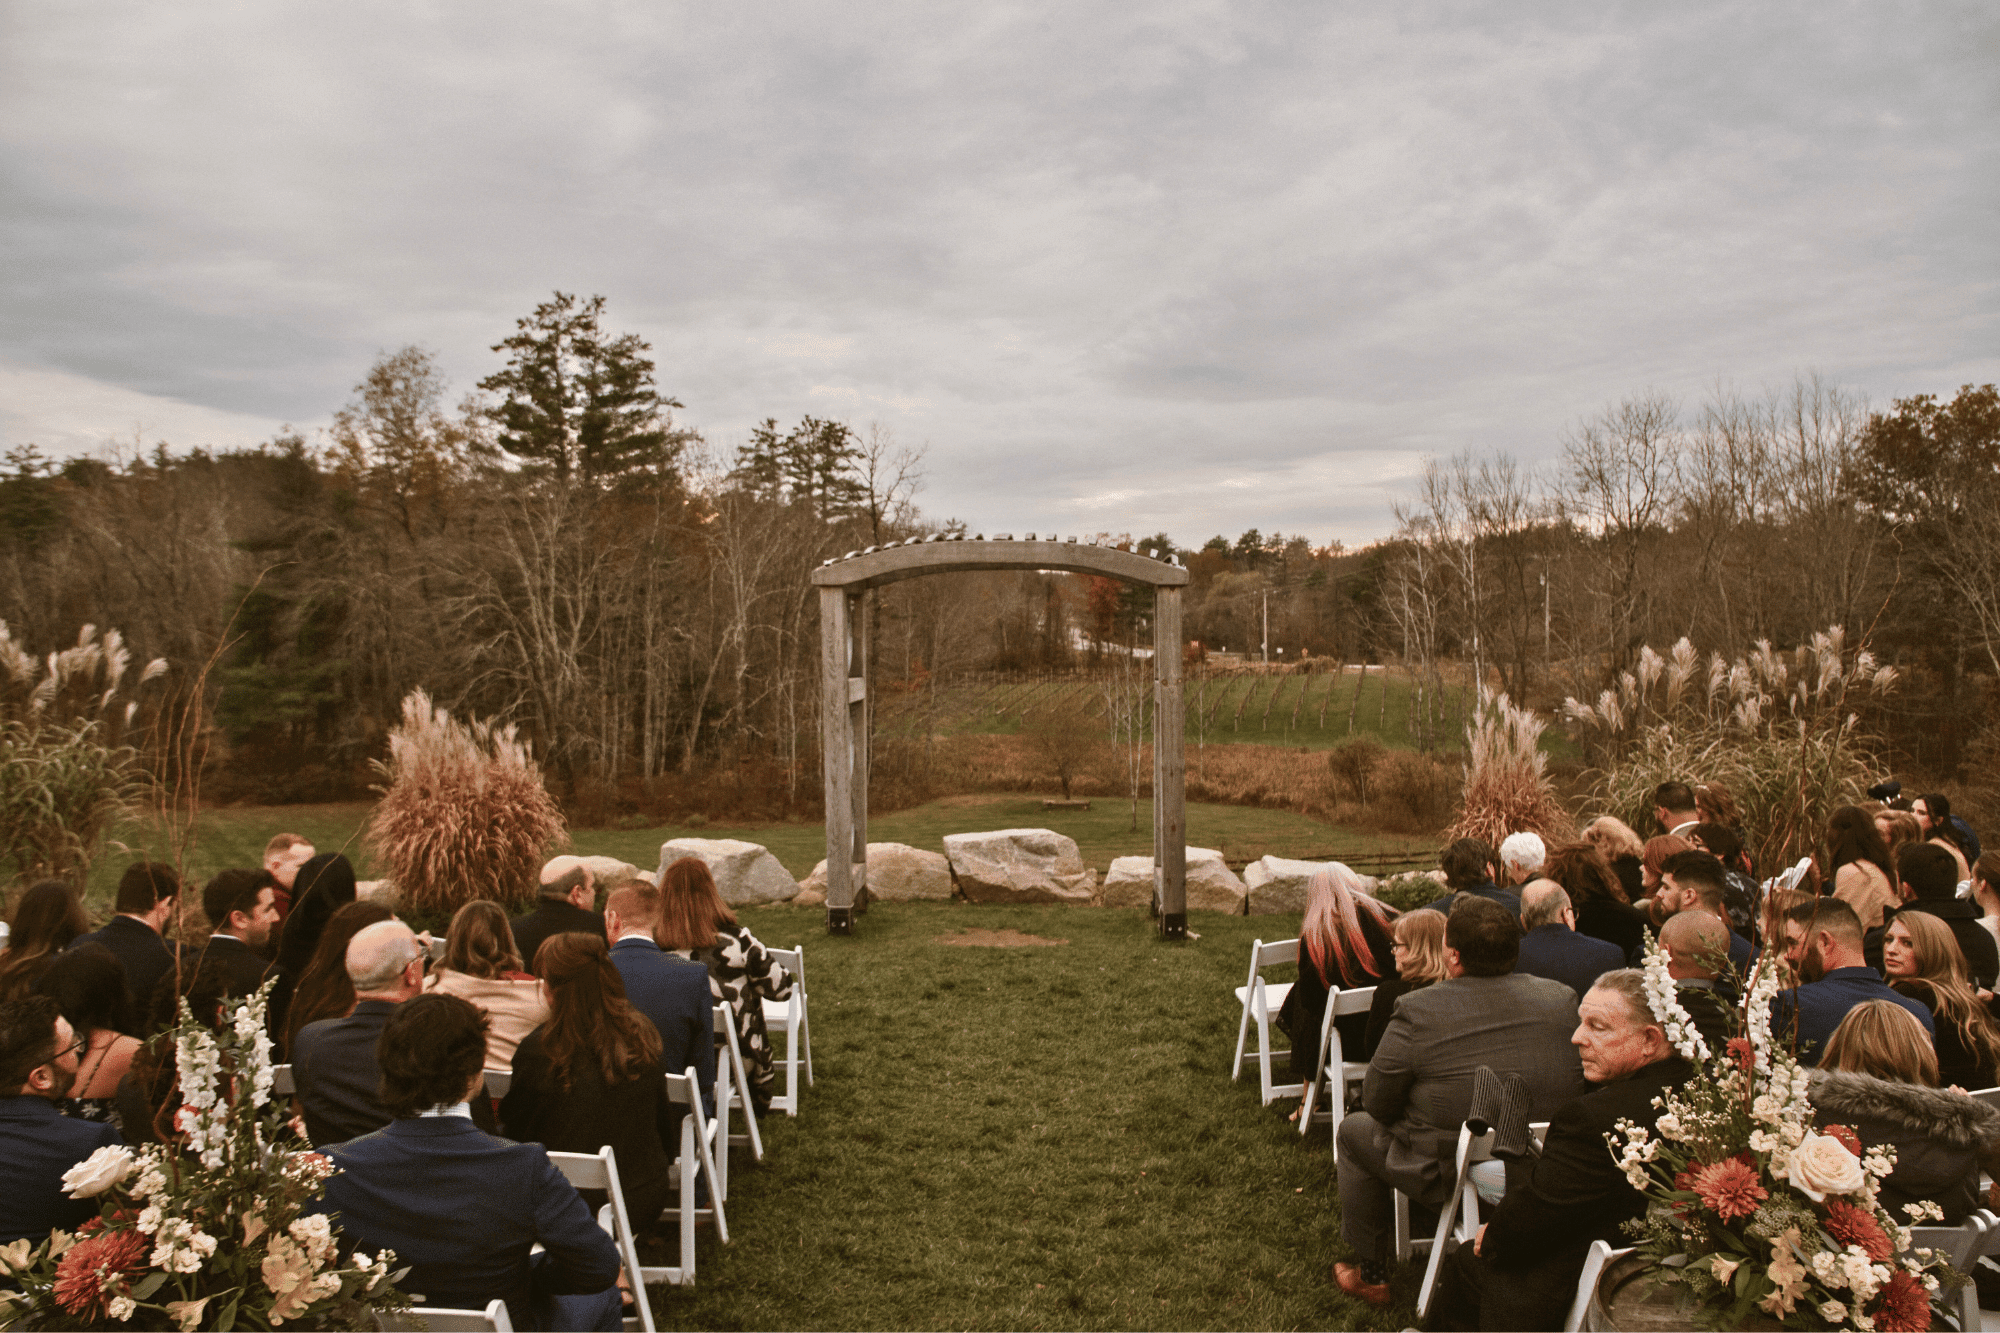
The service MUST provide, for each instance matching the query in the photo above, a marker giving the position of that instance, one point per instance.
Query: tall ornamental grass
(1781, 730)
(1507, 787)
(65, 772)
(463, 813)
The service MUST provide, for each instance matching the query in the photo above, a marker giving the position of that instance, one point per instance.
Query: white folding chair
(694, 1158)
(1599, 1255)
(732, 1093)
(493, 1317)
(1458, 1219)
(599, 1171)
(281, 1081)
(1335, 1070)
(1962, 1247)
(498, 1081)
(789, 1017)
(1262, 1002)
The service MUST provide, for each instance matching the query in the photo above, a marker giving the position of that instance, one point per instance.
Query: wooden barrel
(1628, 1301)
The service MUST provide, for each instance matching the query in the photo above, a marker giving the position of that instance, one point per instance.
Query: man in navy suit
(38, 1062)
(1823, 941)
(1550, 946)
(671, 991)
(462, 1208)
(242, 910)
(334, 1060)
(148, 893)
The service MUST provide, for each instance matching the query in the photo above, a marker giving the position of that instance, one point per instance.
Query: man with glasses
(38, 1063)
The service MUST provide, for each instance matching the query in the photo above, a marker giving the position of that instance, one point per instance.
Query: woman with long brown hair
(695, 923)
(1599, 899)
(1921, 958)
(480, 965)
(325, 990)
(1859, 862)
(591, 1074)
(46, 919)
(1344, 944)
(1623, 850)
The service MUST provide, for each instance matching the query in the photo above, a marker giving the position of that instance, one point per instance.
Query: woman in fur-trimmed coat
(1941, 1136)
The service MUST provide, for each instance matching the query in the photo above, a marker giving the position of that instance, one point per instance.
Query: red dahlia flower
(81, 1272)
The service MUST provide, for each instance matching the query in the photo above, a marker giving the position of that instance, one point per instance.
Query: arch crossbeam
(844, 586)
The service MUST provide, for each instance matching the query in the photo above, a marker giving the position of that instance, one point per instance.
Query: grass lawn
(235, 835)
(1027, 1138)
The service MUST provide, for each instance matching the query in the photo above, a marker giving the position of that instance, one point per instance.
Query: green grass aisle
(1038, 1137)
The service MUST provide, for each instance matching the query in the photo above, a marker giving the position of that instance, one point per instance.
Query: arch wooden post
(844, 585)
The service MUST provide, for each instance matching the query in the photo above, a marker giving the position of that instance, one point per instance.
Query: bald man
(1697, 945)
(333, 1060)
(1550, 945)
(569, 895)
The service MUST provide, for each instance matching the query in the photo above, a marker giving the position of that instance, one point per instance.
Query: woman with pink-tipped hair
(1344, 944)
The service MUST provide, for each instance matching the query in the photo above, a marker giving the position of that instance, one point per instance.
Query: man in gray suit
(1419, 1085)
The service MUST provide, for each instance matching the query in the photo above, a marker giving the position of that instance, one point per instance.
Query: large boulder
(897, 873)
(1019, 865)
(745, 872)
(1278, 885)
(610, 870)
(1211, 885)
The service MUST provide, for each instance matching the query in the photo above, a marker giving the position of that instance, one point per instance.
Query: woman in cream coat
(481, 965)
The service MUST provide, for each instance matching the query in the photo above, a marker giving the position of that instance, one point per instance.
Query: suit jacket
(1711, 1009)
(37, 1144)
(634, 1118)
(463, 1208)
(1614, 923)
(334, 1069)
(552, 916)
(1560, 954)
(1419, 1083)
(144, 955)
(1817, 1008)
(674, 993)
(244, 970)
(1490, 891)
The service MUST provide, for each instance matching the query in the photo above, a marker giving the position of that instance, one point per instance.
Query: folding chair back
(281, 1081)
(1962, 1247)
(693, 1159)
(599, 1171)
(1458, 1220)
(498, 1081)
(788, 1017)
(1261, 1003)
(493, 1317)
(1335, 1071)
(732, 1093)
(1594, 1262)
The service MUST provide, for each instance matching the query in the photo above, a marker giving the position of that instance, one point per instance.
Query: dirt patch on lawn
(995, 939)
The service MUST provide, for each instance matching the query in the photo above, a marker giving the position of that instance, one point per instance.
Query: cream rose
(1822, 1165)
(99, 1172)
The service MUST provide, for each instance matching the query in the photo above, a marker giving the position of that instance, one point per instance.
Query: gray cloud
(1140, 253)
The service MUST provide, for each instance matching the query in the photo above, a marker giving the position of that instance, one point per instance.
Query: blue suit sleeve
(580, 1258)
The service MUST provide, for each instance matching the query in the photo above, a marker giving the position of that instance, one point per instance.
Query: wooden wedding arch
(844, 585)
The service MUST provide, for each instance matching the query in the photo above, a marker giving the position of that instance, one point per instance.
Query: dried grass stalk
(1507, 788)
(463, 814)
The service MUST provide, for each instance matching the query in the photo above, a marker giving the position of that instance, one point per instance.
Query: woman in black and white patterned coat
(696, 924)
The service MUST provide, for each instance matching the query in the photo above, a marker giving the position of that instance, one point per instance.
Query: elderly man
(1419, 1085)
(1823, 941)
(1522, 1269)
(1522, 856)
(38, 1066)
(1550, 946)
(1697, 945)
(333, 1060)
(462, 1208)
(569, 893)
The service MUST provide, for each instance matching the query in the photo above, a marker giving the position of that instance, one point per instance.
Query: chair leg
(1405, 1247)
(1243, 1028)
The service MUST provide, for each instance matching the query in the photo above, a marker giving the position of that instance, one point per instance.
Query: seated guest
(1344, 944)
(697, 924)
(1823, 945)
(88, 987)
(148, 895)
(1521, 858)
(1419, 1085)
(1933, 811)
(480, 965)
(569, 901)
(1469, 870)
(46, 919)
(1740, 892)
(671, 990)
(590, 1076)
(1602, 909)
(1715, 804)
(323, 886)
(464, 1209)
(325, 990)
(1697, 945)
(1417, 960)
(1696, 881)
(1650, 871)
(1622, 850)
(1986, 893)
(242, 912)
(1550, 946)
(1879, 1078)
(1897, 827)
(38, 1058)
(149, 1094)
(1925, 875)
(1675, 808)
(284, 856)
(1861, 866)
(333, 1060)
(1921, 957)
(1522, 1268)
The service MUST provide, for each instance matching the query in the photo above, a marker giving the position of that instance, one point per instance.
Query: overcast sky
(1180, 265)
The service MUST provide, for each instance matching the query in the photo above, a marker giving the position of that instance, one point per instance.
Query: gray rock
(1211, 885)
(897, 873)
(1278, 885)
(1019, 865)
(745, 872)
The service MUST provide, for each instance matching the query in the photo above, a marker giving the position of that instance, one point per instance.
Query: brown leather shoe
(1348, 1278)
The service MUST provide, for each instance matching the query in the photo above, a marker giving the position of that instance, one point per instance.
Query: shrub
(464, 814)
(1353, 763)
(1413, 792)
(1507, 788)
